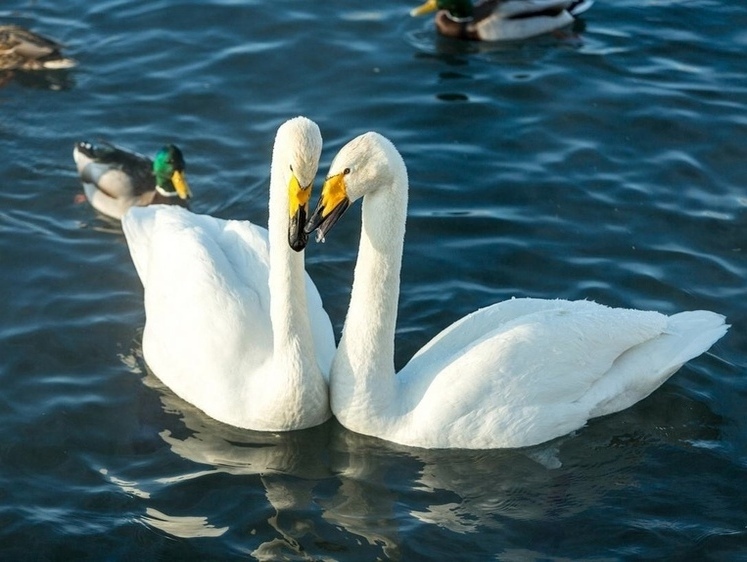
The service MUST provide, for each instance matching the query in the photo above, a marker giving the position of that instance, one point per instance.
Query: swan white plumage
(234, 325)
(513, 374)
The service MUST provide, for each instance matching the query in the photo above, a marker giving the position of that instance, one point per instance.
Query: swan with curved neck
(514, 374)
(233, 324)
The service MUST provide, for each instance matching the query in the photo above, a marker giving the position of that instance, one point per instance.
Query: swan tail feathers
(644, 368)
(698, 330)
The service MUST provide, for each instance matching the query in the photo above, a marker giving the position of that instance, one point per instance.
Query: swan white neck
(363, 370)
(292, 340)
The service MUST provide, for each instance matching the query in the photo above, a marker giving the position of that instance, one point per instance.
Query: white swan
(510, 375)
(228, 325)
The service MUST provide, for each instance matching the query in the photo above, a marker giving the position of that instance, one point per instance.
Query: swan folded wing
(467, 330)
(642, 369)
(246, 249)
(206, 302)
(511, 427)
(538, 361)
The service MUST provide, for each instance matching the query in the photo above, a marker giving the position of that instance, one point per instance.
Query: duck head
(168, 168)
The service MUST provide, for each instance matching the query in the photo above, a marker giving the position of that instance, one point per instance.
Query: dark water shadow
(57, 80)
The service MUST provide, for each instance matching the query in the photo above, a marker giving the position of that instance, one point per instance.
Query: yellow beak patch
(297, 196)
(180, 184)
(334, 192)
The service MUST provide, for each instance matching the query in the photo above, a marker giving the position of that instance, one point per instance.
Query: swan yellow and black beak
(298, 208)
(332, 205)
(180, 184)
(426, 8)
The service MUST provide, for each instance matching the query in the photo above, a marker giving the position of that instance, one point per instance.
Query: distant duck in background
(115, 179)
(496, 20)
(21, 49)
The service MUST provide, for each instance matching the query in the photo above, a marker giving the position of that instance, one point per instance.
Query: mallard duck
(21, 49)
(115, 179)
(501, 20)
(514, 374)
(233, 324)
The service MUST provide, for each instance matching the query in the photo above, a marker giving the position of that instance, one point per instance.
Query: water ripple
(602, 163)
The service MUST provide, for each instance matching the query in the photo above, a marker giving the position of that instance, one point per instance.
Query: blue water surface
(606, 162)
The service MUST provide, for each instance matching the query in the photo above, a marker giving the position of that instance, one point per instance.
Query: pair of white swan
(229, 329)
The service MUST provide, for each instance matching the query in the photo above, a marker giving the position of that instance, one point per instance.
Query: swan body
(21, 49)
(501, 20)
(115, 179)
(513, 374)
(234, 325)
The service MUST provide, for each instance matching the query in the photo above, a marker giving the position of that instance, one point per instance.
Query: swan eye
(346, 171)
(291, 168)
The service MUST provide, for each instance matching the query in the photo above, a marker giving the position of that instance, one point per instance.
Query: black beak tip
(313, 222)
(297, 237)
(298, 243)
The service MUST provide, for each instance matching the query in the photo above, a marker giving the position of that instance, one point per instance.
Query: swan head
(300, 143)
(168, 168)
(365, 165)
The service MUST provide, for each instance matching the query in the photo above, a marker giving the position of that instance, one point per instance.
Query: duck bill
(180, 184)
(298, 208)
(426, 8)
(332, 205)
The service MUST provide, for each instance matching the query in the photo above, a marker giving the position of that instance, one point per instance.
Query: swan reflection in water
(324, 491)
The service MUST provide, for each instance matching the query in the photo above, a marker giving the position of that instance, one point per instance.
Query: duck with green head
(115, 179)
(501, 20)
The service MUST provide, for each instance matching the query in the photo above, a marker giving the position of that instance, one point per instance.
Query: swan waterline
(233, 324)
(514, 374)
